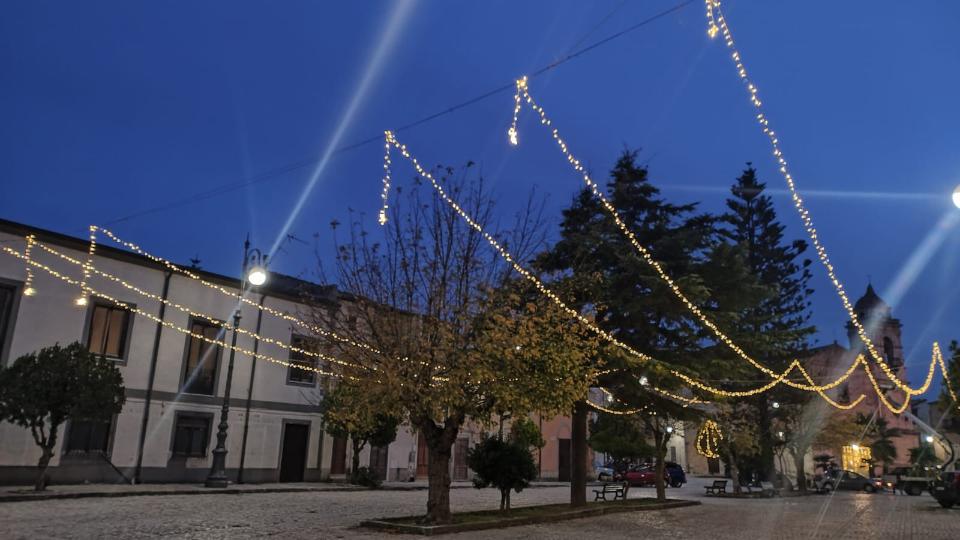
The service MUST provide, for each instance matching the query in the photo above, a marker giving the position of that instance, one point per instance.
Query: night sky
(111, 109)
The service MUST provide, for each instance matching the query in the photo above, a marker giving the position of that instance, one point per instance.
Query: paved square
(335, 514)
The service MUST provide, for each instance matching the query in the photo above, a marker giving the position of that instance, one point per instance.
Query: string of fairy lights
(717, 24)
(778, 378)
(522, 94)
(709, 436)
(328, 334)
(90, 269)
(167, 324)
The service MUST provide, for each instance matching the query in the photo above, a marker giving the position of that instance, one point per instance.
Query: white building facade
(174, 382)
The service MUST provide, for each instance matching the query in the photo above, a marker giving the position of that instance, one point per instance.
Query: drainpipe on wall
(253, 371)
(153, 372)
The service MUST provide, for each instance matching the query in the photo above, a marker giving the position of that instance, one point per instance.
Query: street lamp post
(257, 275)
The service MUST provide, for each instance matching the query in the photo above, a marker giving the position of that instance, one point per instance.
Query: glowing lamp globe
(257, 276)
(929, 438)
(956, 197)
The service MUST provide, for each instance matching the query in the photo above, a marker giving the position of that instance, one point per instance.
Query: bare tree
(438, 328)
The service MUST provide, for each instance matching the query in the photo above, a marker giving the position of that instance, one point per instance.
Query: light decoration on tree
(717, 20)
(708, 439)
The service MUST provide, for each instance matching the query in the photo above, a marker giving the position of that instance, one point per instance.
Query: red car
(643, 476)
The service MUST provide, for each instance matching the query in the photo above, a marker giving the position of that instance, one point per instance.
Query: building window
(191, 435)
(109, 327)
(200, 375)
(8, 298)
(87, 436)
(296, 375)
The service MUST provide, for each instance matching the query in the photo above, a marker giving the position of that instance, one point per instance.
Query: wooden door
(564, 462)
(423, 457)
(460, 458)
(293, 455)
(338, 461)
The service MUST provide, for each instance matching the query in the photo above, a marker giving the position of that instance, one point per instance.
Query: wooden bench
(719, 487)
(619, 491)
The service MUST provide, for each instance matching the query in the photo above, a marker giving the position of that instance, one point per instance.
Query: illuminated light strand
(708, 439)
(28, 288)
(524, 93)
(603, 409)
(507, 256)
(91, 249)
(716, 19)
(168, 324)
(778, 377)
(392, 142)
(93, 270)
(277, 313)
(385, 195)
(523, 89)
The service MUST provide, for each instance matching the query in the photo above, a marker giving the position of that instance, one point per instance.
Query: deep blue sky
(109, 108)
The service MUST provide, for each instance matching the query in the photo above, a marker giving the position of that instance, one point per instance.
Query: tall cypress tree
(774, 330)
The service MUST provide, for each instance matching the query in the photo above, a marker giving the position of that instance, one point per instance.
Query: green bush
(503, 465)
(367, 478)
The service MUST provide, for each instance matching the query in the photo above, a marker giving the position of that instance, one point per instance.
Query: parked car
(645, 475)
(605, 474)
(946, 489)
(844, 480)
(675, 474)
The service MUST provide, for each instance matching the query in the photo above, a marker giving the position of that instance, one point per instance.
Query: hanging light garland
(778, 378)
(167, 324)
(523, 94)
(717, 24)
(192, 275)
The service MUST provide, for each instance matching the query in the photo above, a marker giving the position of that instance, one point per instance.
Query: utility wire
(279, 171)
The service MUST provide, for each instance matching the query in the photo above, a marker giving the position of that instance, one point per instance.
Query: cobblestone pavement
(335, 515)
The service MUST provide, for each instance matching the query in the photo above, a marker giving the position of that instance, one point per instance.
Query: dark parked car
(846, 480)
(946, 489)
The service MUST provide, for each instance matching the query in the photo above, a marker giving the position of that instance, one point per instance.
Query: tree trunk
(46, 443)
(766, 439)
(438, 493)
(357, 447)
(801, 473)
(45, 456)
(578, 470)
(504, 500)
(440, 449)
(734, 468)
(661, 446)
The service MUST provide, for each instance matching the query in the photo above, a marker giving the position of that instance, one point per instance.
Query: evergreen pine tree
(774, 330)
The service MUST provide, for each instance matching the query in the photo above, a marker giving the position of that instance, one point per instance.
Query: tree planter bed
(525, 515)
